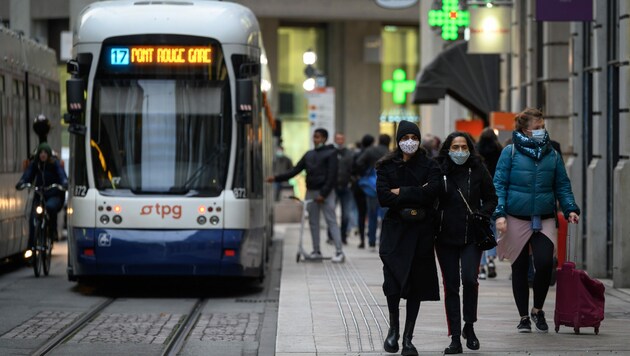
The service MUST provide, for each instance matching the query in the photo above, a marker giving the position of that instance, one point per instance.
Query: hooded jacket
(528, 183)
(321, 169)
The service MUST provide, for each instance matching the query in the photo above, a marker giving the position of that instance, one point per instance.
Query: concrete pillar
(596, 244)
(438, 119)
(20, 16)
(359, 111)
(555, 80)
(621, 237)
(574, 162)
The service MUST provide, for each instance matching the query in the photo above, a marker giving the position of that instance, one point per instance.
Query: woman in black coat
(407, 179)
(463, 172)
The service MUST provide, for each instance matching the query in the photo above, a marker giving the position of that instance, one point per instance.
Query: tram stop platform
(335, 309)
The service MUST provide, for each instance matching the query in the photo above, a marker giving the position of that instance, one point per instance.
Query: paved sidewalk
(339, 309)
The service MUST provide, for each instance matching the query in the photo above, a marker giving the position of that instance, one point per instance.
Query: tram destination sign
(160, 55)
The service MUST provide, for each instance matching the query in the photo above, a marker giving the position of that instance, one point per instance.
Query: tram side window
(248, 169)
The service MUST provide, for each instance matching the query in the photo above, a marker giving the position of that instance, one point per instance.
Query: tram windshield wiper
(198, 173)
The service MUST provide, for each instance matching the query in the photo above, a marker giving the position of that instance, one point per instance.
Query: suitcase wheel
(596, 330)
(576, 330)
(297, 258)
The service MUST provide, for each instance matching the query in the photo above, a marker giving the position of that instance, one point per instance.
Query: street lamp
(309, 58)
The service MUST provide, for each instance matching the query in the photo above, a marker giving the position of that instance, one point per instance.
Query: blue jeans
(372, 215)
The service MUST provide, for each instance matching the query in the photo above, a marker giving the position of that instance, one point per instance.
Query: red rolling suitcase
(579, 298)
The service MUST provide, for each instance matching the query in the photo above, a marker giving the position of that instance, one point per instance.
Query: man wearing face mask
(320, 164)
(464, 176)
(529, 178)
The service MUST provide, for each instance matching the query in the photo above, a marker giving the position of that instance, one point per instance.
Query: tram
(170, 142)
(29, 86)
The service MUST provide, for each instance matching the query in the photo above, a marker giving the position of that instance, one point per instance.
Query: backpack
(367, 183)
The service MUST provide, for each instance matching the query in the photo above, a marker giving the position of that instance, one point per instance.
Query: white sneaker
(482, 273)
(338, 258)
(315, 255)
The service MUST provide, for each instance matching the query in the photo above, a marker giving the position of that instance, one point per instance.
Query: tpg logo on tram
(175, 211)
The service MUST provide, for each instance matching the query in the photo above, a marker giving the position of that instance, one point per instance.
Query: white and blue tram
(29, 86)
(170, 141)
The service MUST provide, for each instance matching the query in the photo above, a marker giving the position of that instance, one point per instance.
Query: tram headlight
(104, 219)
(201, 220)
(39, 209)
(117, 219)
(214, 220)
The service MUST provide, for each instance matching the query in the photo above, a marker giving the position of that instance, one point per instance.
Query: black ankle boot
(391, 342)
(455, 347)
(471, 339)
(407, 347)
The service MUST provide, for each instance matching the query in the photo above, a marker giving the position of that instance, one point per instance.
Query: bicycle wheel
(47, 251)
(37, 252)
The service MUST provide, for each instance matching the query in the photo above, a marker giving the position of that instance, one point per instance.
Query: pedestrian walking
(529, 178)
(489, 148)
(357, 192)
(407, 184)
(368, 160)
(465, 183)
(320, 164)
(342, 189)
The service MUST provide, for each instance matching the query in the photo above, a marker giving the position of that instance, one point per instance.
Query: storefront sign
(450, 18)
(489, 30)
(321, 109)
(396, 4)
(564, 10)
(399, 86)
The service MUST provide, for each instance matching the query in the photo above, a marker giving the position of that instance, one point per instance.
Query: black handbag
(484, 236)
(413, 214)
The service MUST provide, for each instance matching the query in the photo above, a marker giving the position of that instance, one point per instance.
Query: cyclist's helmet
(41, 125)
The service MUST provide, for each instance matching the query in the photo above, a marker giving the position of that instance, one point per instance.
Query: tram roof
(224, 21)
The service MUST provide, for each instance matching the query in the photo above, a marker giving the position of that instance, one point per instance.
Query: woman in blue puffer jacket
(530, 177)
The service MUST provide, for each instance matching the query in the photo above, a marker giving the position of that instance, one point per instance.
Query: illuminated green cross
(450, 18)
(399, 86)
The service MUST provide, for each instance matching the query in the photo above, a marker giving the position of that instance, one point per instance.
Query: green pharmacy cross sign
(399, 86)
(450, 18)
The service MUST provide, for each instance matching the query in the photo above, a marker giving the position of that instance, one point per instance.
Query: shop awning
(471, 79)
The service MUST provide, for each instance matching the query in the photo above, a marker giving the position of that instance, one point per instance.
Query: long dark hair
(445, 161)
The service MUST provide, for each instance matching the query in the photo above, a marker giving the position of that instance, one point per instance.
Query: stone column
(20, 16)
(621, 237)
(596, 219)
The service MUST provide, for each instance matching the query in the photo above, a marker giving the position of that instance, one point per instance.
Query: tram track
(67, 333)
(172, 346)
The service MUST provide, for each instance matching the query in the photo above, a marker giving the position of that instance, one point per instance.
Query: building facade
(576, 72)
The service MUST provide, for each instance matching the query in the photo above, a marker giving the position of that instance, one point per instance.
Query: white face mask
(538, 135)
(409, 146)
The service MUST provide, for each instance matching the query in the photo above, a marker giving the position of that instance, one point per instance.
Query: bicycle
(42, 239)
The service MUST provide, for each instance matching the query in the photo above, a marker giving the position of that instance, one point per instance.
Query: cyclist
(43, 171)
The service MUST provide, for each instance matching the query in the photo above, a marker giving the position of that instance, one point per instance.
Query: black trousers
(542, 251)
(450, 258)
(359, 199)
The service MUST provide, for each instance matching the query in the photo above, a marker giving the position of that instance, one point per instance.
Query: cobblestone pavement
(227, 327)
(43, 325)
(128, 328)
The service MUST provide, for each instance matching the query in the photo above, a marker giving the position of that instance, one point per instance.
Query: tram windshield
(153, 136)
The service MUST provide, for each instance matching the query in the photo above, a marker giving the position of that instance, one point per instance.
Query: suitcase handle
(569, 241)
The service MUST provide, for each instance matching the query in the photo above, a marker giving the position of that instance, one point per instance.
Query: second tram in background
(29, 87)
(170, 149)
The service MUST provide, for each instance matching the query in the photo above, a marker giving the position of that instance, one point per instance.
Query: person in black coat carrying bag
(407, 184)
(464, 177)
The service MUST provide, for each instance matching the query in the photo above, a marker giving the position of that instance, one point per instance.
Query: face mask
(279, 153)
(409, 146)
(539, 135)
(459, 157)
